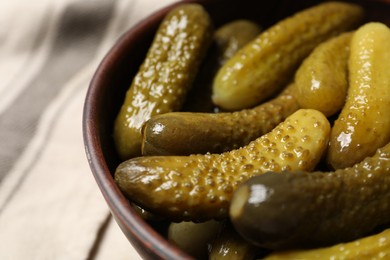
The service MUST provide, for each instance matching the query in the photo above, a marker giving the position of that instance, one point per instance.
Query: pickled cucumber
(364, 122)
(266, 64)
(372, 247)
(233, 36)
(229, 245)
(199, 187)
(228, 39)
(165, 76)
(184, 133)
(194, 238)
(322, 79)
(312, 209)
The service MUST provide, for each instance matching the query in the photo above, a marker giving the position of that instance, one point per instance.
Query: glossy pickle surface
(363, 124)
(311, 209)
(266, 64)
(322, 79)
(234, 35)
(199, 187)
(165, 76)
(373, 247)
(185, 133)
(227, 40)
(229, 245)
(194, 238)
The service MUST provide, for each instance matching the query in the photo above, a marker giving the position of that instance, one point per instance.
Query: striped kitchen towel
(50, 206)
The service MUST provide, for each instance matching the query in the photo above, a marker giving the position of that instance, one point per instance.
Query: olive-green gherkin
(233, 36)
(322, 79)
(199, 186)
(229, 245)
(228, 39)
(376, 246)
(262, 67)
(363, 124)
(185, 133)
(319, 208)
(166, 74)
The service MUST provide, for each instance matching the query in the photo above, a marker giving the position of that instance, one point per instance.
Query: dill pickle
(322, 79)
(319, 208)
(229, 245)
(372, 247)
(228, 39)
(166, 74)
(194, 238)
(233, 36)
(266, 64)
(364, 122)
(184, 133)
(199, 187)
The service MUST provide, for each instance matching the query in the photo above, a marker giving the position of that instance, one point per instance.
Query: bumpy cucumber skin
(228, 39)
(318, 208)
(372, 247)
(185, 133)
(165, 76)
(265, 65)
(364, 122)
(322, 79)
(199, 187)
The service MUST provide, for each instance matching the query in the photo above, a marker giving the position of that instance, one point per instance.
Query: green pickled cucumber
(312, 209)
(364, 122)
(199, 187)
(194, 238)
(372, 247)
(184, 133)
(229, 245)
(322, 79)
(233, 36)
(228, 39)
(266, 64)
(166, 74)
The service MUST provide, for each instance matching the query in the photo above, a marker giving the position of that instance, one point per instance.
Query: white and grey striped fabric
(50, 206)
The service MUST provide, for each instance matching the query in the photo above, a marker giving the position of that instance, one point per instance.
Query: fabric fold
(50, 205)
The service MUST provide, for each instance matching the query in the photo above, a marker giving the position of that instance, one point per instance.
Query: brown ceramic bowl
(114, 75)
